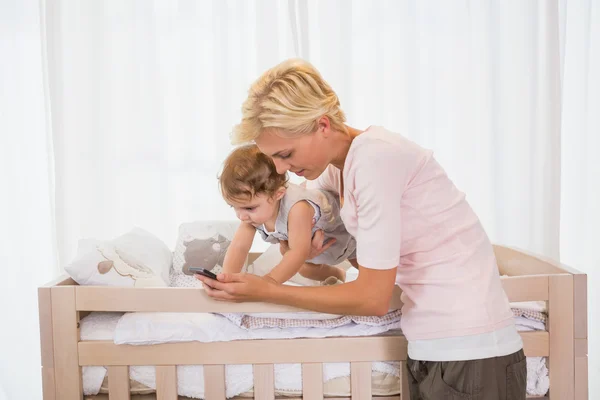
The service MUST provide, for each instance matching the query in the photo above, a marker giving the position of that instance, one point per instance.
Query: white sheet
(155, 328)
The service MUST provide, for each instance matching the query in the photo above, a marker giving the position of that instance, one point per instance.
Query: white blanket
(155, 328)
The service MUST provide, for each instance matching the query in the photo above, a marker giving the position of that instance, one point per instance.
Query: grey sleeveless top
(327, 217)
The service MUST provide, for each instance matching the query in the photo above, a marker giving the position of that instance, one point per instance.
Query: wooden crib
(62, 303)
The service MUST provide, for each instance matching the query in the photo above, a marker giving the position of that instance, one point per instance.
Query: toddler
(265, 202)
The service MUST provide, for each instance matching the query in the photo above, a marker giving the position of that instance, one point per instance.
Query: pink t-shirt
(406, 213)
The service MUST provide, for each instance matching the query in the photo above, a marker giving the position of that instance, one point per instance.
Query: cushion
(135, 259)
(201, 244)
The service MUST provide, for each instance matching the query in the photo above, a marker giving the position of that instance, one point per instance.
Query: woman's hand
(317, 245)
(238, 287)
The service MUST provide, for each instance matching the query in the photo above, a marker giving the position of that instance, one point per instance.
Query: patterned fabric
(189, 245)
(250, 322)
(530, 314)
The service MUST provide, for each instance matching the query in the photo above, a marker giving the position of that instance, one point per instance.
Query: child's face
(258, 210)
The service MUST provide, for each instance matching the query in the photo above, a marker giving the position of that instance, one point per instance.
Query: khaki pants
(497, 378)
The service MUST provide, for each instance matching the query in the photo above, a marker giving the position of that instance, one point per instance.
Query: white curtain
(580, 172)
(144, 95)
(140, 98)
(27, 238)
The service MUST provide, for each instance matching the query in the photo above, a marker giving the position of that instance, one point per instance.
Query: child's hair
(248, 172)
(290, 97)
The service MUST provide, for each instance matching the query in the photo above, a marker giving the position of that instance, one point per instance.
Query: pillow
(201, 244)
(135, 259)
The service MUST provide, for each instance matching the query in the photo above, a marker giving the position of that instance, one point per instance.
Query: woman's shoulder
(380, 138)
(382, 146)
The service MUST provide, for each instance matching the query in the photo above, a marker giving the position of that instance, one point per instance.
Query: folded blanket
(527, 324)
(529, 314)
(295, 320)
(253, 322)
(540, 306)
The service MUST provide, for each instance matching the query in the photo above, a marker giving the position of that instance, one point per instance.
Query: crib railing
(63, 303)
(264, 388)
(263, 354)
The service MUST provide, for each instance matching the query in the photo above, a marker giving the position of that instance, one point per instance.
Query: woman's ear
(324, 126)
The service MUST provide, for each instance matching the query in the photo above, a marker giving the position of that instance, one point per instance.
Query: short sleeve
(379, 177)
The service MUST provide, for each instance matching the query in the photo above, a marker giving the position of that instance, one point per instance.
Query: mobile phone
(203, 272)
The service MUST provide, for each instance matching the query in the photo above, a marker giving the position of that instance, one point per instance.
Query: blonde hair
(248, 172)
(290, 97)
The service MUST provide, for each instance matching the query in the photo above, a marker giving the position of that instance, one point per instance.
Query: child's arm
(239, 248)
(300, 236)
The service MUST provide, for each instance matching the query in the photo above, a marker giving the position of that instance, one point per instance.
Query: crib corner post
(46, 343)
(561, 328)
(580, 315)
(65, 331)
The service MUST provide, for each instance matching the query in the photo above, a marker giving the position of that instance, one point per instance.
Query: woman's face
(304, 155)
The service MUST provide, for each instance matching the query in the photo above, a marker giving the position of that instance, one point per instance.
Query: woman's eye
(284, 156)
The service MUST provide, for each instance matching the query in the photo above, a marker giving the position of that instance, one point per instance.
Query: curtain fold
(580, 171)
(478, 82)
(27, 234)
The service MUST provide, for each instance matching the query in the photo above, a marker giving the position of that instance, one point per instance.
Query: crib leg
(46, 343)
(65, 329)
(581, 336)
(560, 307)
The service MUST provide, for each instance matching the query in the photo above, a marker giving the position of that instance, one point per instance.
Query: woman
(412, 227)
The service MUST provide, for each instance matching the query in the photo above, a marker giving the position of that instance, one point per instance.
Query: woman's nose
(281, 166)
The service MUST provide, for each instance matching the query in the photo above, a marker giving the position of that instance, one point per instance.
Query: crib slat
(360, 380)
(166, 382)
(118, 382)
(214, 382)
(404, 390)
(312, 381)
(264, 382)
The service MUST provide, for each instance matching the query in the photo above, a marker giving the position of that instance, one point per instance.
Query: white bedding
(153, 328)
(156, 328)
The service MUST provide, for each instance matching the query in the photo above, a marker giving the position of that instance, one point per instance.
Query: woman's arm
(299, 235)
(369, 294)
(238, 249)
